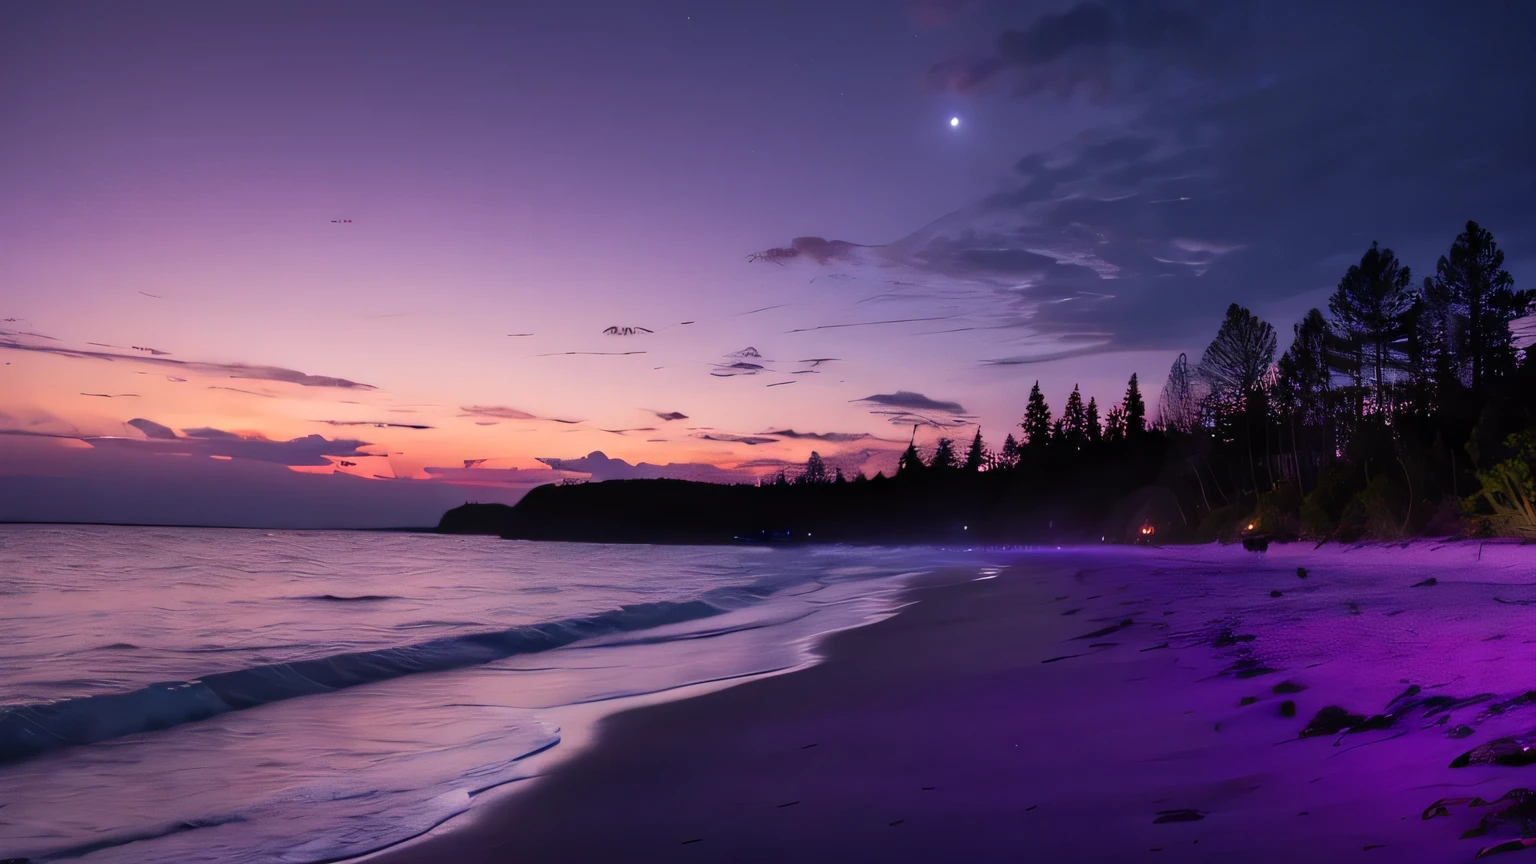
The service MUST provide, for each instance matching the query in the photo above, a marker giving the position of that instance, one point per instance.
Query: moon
(954, 121)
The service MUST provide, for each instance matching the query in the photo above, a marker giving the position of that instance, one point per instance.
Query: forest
(1401, 410)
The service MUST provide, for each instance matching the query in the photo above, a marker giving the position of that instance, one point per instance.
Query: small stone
(1461, 731)
(1287, 687)
(1330, 721)
(1427, 583)
(1276, 594)
(1247, 700)
(1301, 572)
(1288, 708)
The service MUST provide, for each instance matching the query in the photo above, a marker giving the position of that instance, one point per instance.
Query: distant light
(966, 527)
(954, 121)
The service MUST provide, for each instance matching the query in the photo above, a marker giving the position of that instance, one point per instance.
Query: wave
(29, 730)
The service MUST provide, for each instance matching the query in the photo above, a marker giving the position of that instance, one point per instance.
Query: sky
(349, 264)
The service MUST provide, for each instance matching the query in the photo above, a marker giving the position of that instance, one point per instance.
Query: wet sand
(990, 720)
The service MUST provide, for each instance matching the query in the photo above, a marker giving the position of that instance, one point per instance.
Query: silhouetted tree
(1008, 457)
(1303, 378)
(1478, 300)
(1369, 311)
(1037, 419)
(815, 470)
(1058, 431)
(911, 462)
(1134, 409)
(1074, 421)
(1235, 363)
(976, 456)
(1095, 429)
(1114, 424)
(837, 476)
(1179, 407)
(944, 455)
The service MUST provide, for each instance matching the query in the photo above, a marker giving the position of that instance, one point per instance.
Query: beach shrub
(1377, 511)
(1224, 524)
(1507, 499)
(1278, 511)
(1323, 507)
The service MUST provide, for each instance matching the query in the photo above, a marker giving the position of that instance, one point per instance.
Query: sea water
(198, 695)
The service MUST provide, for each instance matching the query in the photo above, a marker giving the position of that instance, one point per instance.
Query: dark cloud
(906, 408)
(1110, 49)
(838, 437)
(669, 416)
(9, 341)
(311, 450)
(912, 401)
(1258, 176)
(151, 429)
(749, 440)
(817, 249)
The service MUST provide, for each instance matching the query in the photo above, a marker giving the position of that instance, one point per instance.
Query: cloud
(154, 430)
(9, 340)
(501, 412)
(837, 437)
(599, 466)
(1257, 176)
(816, 249)
(669, 416)
(472, 475)
(374, 423)
(749, 440)
(1108, 49)
(906, 408)
(913, 401)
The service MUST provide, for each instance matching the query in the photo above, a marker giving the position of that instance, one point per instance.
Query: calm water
(208, 695)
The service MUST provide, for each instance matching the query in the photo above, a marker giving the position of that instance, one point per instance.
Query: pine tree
(1114, 424)
(976, 456)
(1236, 361)
(1037, 419)
(1179, 407)
(1134, 410)
(815, 470)
(1074, 421)
(911, 462)
(1095, 430)
(1478, 299)
(837, 476)
(1058, 432)
(1008, 457)
(943, 455)
(1369, 311)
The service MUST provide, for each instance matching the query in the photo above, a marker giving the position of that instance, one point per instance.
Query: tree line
(1405, 408)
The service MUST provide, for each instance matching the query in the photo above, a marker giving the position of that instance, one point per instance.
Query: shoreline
(977, 721)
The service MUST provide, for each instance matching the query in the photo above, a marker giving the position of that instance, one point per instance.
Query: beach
(1085, 705)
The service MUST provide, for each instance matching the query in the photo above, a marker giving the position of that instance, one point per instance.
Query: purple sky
(1120, 172)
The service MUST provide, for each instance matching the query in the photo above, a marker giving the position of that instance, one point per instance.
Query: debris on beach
(1511, 752)
(1180, 815)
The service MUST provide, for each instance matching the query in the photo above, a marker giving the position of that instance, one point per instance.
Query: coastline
(976, 723)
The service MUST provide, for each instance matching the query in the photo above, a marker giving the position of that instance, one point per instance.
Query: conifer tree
(1037, 419)
(976, 456)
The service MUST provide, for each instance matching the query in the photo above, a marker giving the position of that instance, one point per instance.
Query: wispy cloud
(12, 341)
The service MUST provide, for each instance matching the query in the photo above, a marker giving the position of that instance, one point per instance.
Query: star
(954, 121)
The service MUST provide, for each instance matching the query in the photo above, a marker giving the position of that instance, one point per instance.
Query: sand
(1011, 717)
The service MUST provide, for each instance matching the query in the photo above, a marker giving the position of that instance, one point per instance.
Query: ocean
(196, 695)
